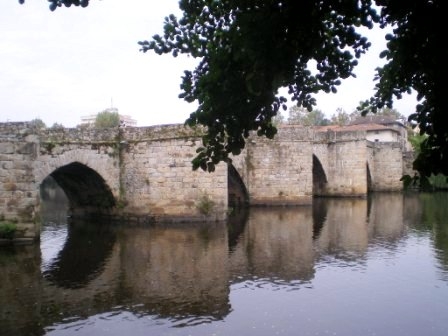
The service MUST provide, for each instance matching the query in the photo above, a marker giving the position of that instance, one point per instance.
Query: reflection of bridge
(147, 170)
(180, 271)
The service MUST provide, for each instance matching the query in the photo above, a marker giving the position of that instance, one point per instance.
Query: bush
(7, 229)
(205, 204)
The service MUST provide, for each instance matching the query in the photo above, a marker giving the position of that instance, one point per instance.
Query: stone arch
(84, 187)
(319, 177)
(105, 165)
(237, 191)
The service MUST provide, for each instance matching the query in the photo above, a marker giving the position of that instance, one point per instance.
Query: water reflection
(176, 271)
(387, 216)
(83, 255)
(345, 233)
(53, 210)
(194, 275)
(435, 220)
(276, 245)
(20, 291)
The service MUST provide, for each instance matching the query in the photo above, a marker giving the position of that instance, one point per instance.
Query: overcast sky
(59, 66)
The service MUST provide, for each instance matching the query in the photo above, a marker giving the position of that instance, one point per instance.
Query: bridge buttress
(386, 166)
(19, 197)
(343, 156)
(278, 171)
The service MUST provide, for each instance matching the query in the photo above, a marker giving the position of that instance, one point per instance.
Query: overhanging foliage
(248, 49)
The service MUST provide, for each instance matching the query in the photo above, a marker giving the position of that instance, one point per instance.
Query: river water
(376, 266)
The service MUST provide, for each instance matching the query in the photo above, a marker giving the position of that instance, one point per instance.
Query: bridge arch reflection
(83, 257)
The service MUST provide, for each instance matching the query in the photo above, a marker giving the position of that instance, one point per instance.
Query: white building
(383, 129)
(375, 132)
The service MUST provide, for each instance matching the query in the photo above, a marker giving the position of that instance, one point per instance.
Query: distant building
(377, 128)
(88, 120)
(125, 120)
(389, 123)
(386, 121)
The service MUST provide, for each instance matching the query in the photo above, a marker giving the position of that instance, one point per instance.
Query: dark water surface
(376, 266)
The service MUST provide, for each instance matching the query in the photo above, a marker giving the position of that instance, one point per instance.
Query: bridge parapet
(114, 134)
(159, 132)
(294, 133)
(78, 135)
(331, 136)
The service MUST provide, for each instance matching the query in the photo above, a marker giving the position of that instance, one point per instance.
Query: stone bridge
(146, 172)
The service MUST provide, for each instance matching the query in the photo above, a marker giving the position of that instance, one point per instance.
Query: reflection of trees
(441, 245)
(435, 217)
(427, 213)
(412, 211)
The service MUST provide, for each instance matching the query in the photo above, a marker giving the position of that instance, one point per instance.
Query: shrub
(7, 229)
(205, 204)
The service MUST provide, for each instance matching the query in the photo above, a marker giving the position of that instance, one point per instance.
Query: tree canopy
(37, 123)
(341, 117)
(301, 116)
(107, 118)
(248, 49)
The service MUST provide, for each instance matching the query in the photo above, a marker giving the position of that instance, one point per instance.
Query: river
(375, 266)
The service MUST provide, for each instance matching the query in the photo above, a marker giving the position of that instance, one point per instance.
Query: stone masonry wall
(95, 148)
(18, 194)
(387, 168)
(148, 169)
(344, 162)
(158, 179)
(278, 171)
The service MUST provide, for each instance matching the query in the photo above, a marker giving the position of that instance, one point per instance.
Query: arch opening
(54, 202)
(65, 237)
(237, 192)
(319, 178)
(84, 187)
